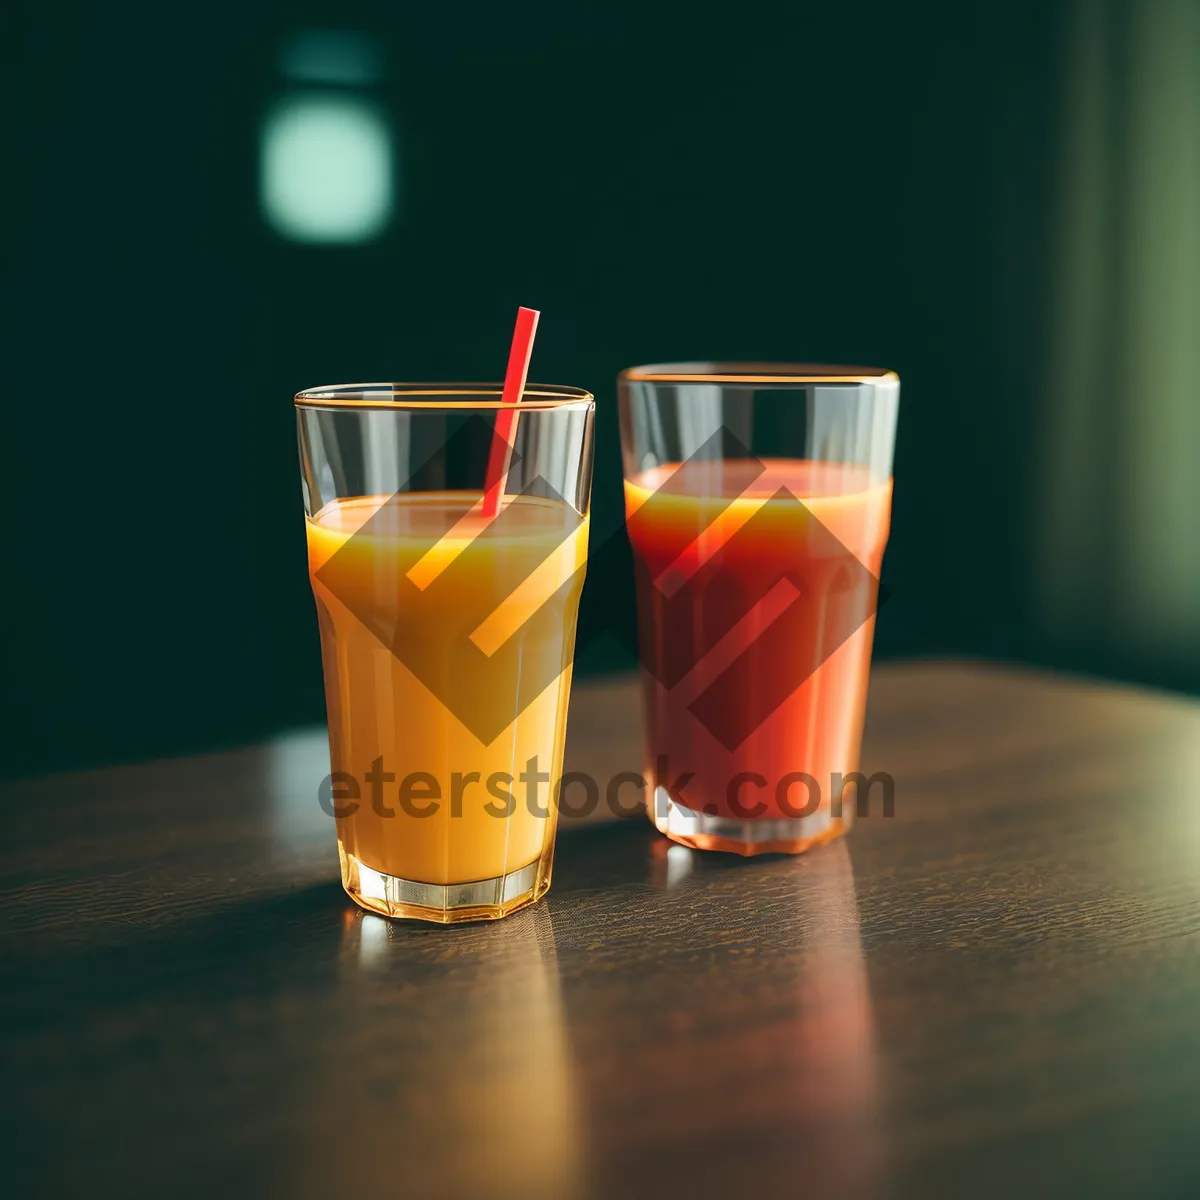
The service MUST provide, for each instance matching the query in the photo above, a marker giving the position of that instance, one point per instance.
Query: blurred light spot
(331, 56)
(295, 764)
(326, 169)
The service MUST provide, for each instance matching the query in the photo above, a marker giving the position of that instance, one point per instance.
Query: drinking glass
(447, 635)
(757, 500)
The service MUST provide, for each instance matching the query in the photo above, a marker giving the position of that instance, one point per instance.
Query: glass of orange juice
(758, 501)
(447, 635)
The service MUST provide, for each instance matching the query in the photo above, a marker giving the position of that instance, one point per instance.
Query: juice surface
(756, 601)
(453, 686)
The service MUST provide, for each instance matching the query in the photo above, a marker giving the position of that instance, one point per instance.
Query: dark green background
(866, 182)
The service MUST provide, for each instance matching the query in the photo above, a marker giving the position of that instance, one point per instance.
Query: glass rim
(755, 372)
(537, 397)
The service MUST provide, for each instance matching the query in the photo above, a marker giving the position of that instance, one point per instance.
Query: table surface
(997, 988)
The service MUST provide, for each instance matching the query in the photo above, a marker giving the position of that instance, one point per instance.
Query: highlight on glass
(447, 545)
(758, 501)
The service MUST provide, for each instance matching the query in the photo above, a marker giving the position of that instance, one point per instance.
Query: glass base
(445, 903)
(784, 835)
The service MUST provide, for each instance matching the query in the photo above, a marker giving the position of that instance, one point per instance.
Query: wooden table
(996, 991)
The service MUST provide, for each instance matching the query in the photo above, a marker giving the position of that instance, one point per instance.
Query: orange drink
(447, 639)
(456, 810)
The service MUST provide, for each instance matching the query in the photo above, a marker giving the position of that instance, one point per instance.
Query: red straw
(506, 419)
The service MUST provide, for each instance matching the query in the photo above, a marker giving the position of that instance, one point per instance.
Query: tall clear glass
(447, 635)
(758, 500)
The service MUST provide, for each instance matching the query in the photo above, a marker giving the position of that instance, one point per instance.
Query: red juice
(757, 585)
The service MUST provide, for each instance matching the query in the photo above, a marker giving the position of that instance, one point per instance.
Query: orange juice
(756, 599)
(447, 643)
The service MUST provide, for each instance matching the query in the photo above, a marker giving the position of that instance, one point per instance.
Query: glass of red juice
(757, 499)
